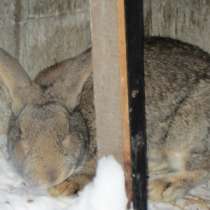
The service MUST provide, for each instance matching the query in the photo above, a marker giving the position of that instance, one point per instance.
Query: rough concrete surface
(58, 39)
(42, 32)
(187, 20)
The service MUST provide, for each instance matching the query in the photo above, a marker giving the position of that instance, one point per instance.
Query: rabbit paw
(66, 188)
(166, 191)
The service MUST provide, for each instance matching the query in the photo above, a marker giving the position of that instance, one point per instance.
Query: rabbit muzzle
(44, 145)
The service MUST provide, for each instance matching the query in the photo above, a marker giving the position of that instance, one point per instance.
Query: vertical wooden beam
(124, 98)
(105, 56)
(110, 82)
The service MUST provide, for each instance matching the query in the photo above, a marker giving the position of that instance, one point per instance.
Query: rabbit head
(47, 136)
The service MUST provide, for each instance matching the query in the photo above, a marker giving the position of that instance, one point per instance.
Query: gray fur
(177, 78)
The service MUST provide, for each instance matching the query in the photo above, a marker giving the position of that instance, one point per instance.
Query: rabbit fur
(48, 136)
(177, 89)
(61, 151)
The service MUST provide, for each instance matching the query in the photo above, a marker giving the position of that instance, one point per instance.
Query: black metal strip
(135, 66)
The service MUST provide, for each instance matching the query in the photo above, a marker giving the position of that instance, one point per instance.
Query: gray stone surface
(46, 41)
(42, 32)
(47, 8)
(7, 26)
(7, 12)
(187, 20)
(8, 39)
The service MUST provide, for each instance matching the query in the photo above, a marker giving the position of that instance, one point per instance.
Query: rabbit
(59, 76)
(49, 141)
(177, 99)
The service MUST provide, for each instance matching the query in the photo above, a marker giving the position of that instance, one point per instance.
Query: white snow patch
(106, 192)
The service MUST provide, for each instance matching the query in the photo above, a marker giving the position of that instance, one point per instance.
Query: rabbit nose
(52, 175)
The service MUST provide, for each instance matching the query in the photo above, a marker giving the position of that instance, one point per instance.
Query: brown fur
(177, 78)
(48, 136)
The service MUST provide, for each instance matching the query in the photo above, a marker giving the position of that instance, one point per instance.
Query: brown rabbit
(60, 101)
(48, 137)
(177, 78)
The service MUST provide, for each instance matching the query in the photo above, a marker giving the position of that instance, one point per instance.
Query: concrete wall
(42, 32)
(186, 20)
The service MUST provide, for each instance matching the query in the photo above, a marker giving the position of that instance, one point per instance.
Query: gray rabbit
(51, 137)
(48, 136)
(177, 78)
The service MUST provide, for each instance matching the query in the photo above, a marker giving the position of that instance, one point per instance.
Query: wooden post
(117, 37)
(124, 99)
(110, 82)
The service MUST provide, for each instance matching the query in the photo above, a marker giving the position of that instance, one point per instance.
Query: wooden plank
(110, 82)
(105, 57)
(124, 99)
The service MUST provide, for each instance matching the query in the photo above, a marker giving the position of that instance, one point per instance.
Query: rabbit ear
(64, 81)
(16, 81)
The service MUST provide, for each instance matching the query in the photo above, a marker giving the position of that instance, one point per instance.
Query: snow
(105, 192)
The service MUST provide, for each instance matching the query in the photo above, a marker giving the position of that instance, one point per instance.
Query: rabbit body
(177, 79)
(177, 89)
(52, 140)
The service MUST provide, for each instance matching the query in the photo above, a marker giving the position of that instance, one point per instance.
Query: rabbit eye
(59, 144)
